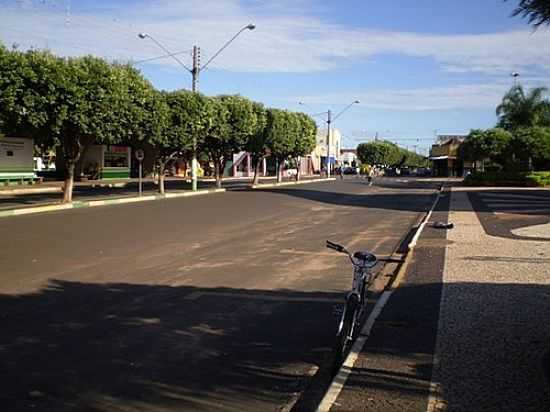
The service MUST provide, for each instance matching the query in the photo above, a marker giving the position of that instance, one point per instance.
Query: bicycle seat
(365, 256)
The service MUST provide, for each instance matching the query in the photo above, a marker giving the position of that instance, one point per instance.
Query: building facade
(445, 156)
(16, 159)
(320, 155)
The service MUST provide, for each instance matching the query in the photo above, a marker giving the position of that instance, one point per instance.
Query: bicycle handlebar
(337, 247)
(342, 249)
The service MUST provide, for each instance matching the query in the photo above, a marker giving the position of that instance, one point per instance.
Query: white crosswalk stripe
(516, 202)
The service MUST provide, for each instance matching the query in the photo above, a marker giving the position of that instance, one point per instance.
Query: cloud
(461, 97)
(287, 38)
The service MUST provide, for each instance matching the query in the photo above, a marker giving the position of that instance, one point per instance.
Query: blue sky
(416, 66)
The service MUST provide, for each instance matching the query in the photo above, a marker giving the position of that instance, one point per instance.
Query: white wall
(321, 147)
(16, 156)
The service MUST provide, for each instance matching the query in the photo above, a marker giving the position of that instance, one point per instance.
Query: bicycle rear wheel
(344, 338)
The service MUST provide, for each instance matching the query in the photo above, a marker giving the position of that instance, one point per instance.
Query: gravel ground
(493, 329)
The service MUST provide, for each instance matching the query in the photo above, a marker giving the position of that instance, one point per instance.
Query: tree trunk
(162, 166)
(217, 174)
(279, 172)
(69, 182)
(257, 170)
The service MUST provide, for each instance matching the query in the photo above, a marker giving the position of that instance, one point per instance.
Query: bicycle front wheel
(344, 338)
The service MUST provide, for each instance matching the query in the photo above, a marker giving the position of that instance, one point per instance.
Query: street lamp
(195, 71)
(330, 119)
(515, 75)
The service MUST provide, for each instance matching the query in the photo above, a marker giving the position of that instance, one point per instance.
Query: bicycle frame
(355, 306)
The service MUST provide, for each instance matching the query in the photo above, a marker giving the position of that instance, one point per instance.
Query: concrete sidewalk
(467, 329)
(493, 331)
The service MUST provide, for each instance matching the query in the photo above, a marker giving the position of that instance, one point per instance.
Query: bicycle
(356, 302)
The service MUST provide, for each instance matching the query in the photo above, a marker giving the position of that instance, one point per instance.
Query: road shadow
(415, 202)
(108, 347)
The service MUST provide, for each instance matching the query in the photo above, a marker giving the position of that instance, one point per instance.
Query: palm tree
(524, 110)
(537, 12)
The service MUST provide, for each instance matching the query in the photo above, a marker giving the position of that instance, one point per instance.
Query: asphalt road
(223, 302)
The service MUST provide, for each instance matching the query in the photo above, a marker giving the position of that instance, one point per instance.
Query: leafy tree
(378, 153)
(73, 103)
(281, 134)
(412, 159)
(537, 12)
(519, 109)
(493, 144)
(234, 122)
(305, 139)
(532, 145)
(188, 118)
(217, 141)
(257, 144)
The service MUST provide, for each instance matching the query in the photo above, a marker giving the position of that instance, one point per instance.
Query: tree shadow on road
(415, 202)
(104, 347)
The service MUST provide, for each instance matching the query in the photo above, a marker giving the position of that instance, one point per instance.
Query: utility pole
(195, 75)
(328, 142)
(195, 70)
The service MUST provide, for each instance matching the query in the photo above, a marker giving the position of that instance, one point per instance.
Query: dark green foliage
(493, 144)
(537, 12)
(521, 109)
(388, 154)
(73, 103)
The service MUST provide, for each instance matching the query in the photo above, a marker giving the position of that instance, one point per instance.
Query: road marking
(198, 295)
(340, 379)
(501, 204)
(413, 241)
(542, 231)
(513, 195)
(524, 211)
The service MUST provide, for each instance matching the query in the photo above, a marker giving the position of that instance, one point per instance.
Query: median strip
(104, 202)
(299, 182)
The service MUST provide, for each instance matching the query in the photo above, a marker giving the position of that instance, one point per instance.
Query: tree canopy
(521, 109)
(73, 103)
(537, 12)
(385, 153)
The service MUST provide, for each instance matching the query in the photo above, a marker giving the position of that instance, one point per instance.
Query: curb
(300, 182)
(105, 202)
(30, 191)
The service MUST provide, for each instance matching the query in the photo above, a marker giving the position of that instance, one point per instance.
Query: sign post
(140, 155)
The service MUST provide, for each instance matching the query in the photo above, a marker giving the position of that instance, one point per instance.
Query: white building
(319, 154)
(348, 156)
(16, 159)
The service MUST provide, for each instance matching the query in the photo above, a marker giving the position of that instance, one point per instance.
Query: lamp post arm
(345, 108)
(224, 46)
